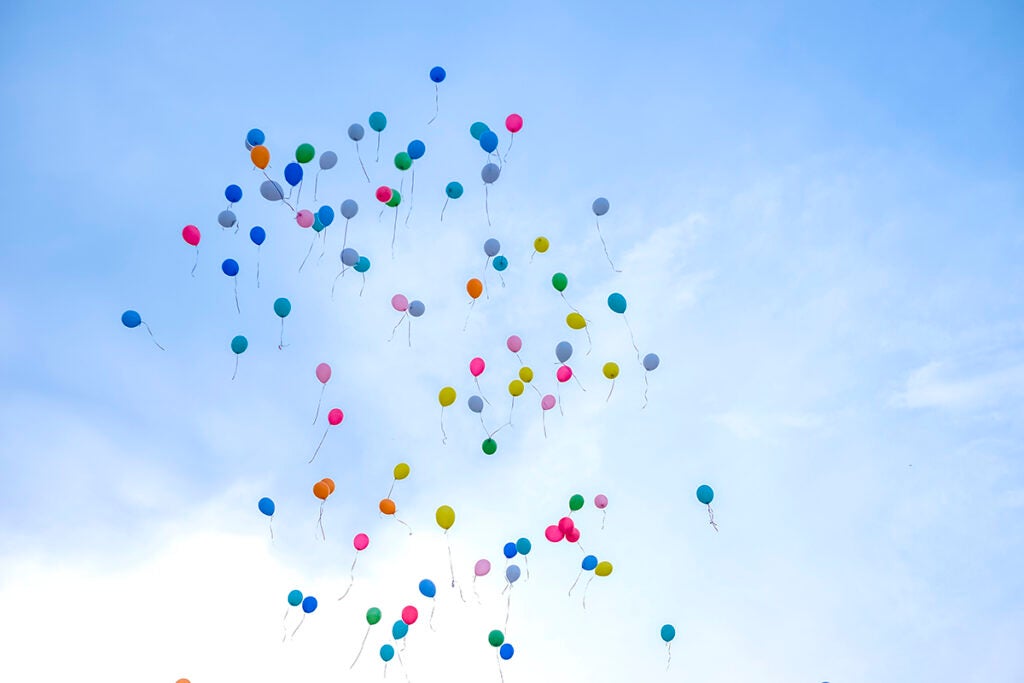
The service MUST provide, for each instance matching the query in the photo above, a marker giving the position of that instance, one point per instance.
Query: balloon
(514, 123)
(541, 244)
(489, 446)
(396, 198)
(383, 194)
(131, 319)
(427, 588)
(481, 568)
(355, 132)
(453, 189)
(335, 416)
(266, 506)
(523, 546)
(309, 604)
(559, 281)
(304, 153)
(489, 141)
(323, 373)
(326, 215)
(705, 494)
(258, 235)
(576, 502)
(293, 174)
(304, 218)
(295, 598)
(282, 307)
(547, 402)
(437, 74)
(349, 208)
(378, 121)
(271, 191)
(572, 535)
(260, 156)
(617, 302)
(387, 506)
(526, 374)
(476, 366)
(445, 517)
(321, 490)
(600, 206)
(516, 388)
(399, 303)
(416, 308)
(564, 373)
(668, 632)
(317, 225)
(227, 218)
(554, 534)
(409, 615)
(387, 653)
(190, 234)
(506, 651)
(255, 137)
(372, 616)
(416, 149)
(446, 396)
(510, 550)
(478, 129)
(330, 484)
(401, 471)
(575, 321)
(361, 541)
(492, 247)
(565, 525)
(563, 351)
(490, 173)
(328, 160)
(239, 344)
(362, 265)
(495, 638)
(651, 361)
(476, 404)
(474, 288)
(349, 256)
(610, 370)
(500, 263)
(399, 629)
(403, 160)
(600, 501)
(514, 344)
(603, 568)
(512, 573)
(589, 562)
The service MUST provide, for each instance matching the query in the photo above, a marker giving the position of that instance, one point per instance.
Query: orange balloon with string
(475, 288)
(321, 490)
(260, 156)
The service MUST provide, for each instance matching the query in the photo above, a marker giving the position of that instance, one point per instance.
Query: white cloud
(941, 384)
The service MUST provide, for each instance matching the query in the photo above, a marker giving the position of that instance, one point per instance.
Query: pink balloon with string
(383, 194)
(323, 373)
(600, 501)
(335, 416)
(548, 402)
(514, 123)
(361, 541)
(400, 303)
(476, 366)
(190, 234)
(553, 534)
(565, 525)
(482, 567)
(564, 373)
(514, 343)
(304, 218)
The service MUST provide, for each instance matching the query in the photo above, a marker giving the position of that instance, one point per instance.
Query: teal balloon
(523, 546)
(705, 494)
(239, 344)
(399, 629)
(500, 263)
(378, 121)
(295, 598)
(362, 265)
(282, 307)
(478, 129)
(387, 653)
(317, 225)
(617, 302)
(453, 189)
(668, 632)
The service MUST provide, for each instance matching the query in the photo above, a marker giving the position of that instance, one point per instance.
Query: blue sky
(817, 212)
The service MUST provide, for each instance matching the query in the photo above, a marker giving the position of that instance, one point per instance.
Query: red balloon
(565, 525)
(554, 534)
(383, 194)
(190, 234)
(410, 614)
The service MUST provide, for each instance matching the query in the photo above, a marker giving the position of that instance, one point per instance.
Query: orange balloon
(260, 156)
(183, 680)
(330, 484)
(387, 506)
(321, 490)
(475, 288)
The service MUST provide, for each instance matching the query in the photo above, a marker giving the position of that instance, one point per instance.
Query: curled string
(308, 253)
(237, 308)
(336, 281)
(631, 337)
(430, 622)
(257, 266)
(363, 286)
(282, 195)
(403, 524)
(351, 576)
(475, 592)
(573, 586)
(512, 140)
(646, 386)
(585, 588)
(604, 514)
(394, 330)
(610, 392)
(303, 619)
(508, 608)
(196, 262)
(444, 435)
(412, 195)
(476, 380)
(344, 239)
(590, 342)
(607, 256)
(399, 655)
(316, 183)
(668, 647)
(361, 648)
(235, 373)
(319, 445)
(466, 324)
(271, 526)
(394, 233)
(360, 157)
(378, 147)
(299, 194)
(320, 522)
(284, 625)
(501, 278)
(322, 390)
(711, 518)
(487, 206)
(281, 344)
(436, 108)
(443, 208)
(558, 398)
(152, 337)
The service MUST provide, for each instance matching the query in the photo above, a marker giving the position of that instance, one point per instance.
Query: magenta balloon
(361, 541)
(323, 373)
(304, 218)
(482, 567)
(335, 416)
(564, 373)
(573, 535)
(553, 534)
(514, 344)
(565, 525)
(476, 366)
(548, 402)
(400, 303)
(600, 501)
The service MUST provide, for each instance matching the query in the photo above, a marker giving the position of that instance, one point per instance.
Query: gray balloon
(328, 160)
(476, 404)
(600, 206)
(349, 208)
(492, 247)
(490, 173)
(349, 256)
(651, 361)
(416, 308)
(248, 146)
(512, 573)
(227, 219)
(356, 132)
(563, 351)
(271, 191)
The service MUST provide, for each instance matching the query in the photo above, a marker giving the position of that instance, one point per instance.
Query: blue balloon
(326, 215)
(489, 141)
(506, 651)
(309, 604)
(363, 265)
(589, 563)
(255, 137)
(617, 302)
(476, 404)
(453, 190)
(563, 351)
(378, 121)
(651, 361)
(349, 209)
(492, 247)
(416, 308)
(500, 263)
(512, 573)
(399, 629)
(356, 132)
(489, 173)
(523, 546)
(230, 267)
(293, 174)
(427, 588)
(349, 256)
(233, 193)
(668, 632)
(258, 235)
(705, 494)
(510, 550)
(387, 653)
(416, 149)
(295, 598)
(600, 206)
(131, 319)
(437, 74)
(266, 507)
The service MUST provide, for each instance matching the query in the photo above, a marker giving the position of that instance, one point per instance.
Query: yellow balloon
(541, 244)
(401, 470)
(515, 387)
(446, 517)
(526, 374)
(610, 370)
(603, 568)
(575, 321)
(446, 397)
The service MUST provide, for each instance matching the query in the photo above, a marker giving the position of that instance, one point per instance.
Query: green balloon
(496, 638)
(282, 307)
(396, 198)
(559, 281)
(305, 153)
(490, 446)
(239, 344)
(317, 225)
(576, 502)
(372, 616)
(403, 161)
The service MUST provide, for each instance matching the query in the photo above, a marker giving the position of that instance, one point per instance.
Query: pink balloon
(476, 366)
(335, 416)
(573, 535)
(410, 614)
(383, 194)
(323, 373)
(554, 534)
(564, 373)
(514, 123)
(400, 303)
(565, 525)
(600, 501)
(514, 344)
(548, 402)
(482, 567)
(304, 218)
(361, 541)
(190, 234)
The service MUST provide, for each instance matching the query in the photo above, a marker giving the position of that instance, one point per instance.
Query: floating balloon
(309, 604)
(304, 153)
(373, 616)
(293, 174)
(489, 173)
(190, 234)
(540, 245)
(668, 632)
(512, 573)
(416, 149)
(326, 215)
(705, 494)
(588, 565)
(131, 319)
(328, 160)
(409, 615)
(403, 160)
(445, 517)
(387, 653)
(254, 137)
(576, 502)
(565, 525)
(260, 156)
(452, 190)
(476, 404)
(266, 506)
(400, 303)
(282, 307)
(295, 598)
(446, 396)
(495, 638)
(476, 367)
(526, 374)
(516, 387)
(492, 247)
(575, 321)
(513, 124)
(509, 550)
(603, 568)
(272, 191)
(600, 208)
(478, 129)
(349, 257)
(554, 534)
(506, 651)
(573, 535)
(489, 141)
(387, 506)
(481, 568)
(416, 308)
(227, 219)
(355, 134)
(427, 588)
(617, 302)
(238, 346)
(334, 418)
(437, 74)
(514, 344)
(523, 546)
(650, 363)
(304, 218)
(564, 373)
(500, 264)
(349, 209)
(361, 541)
(378, 122)
(563, 351)
(601, 502)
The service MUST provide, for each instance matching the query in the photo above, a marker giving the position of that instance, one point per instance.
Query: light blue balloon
(266, 506)
(356, 132)
(317, 225)
(668, 632)
(416, 308)
(705, 494)
(326, 215)
(131, 319)
(489, 141)
(427, 588)
(453, 190)
(416, 149)
(500, 263)
(563, 351)
(349, 256)
(387, 653)
(490, 173)
(295, 598)
(349, 209)
(651, 361)
(399, 629)
(512, 573)
(362, 265)
(492, 247)
(378, 121)
(328, 160)
(476, 404)
(600, 206)
(589, 563)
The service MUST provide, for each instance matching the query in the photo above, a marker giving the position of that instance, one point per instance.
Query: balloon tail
(573, 586)
(152, 337)
(378, 147)
(336, 281)
(610, 392)
(361, 646)
(606, 255)
(394, 234)
(323, 244)
(567, 303)
(196, 262)
(483, 277)
(500, 672)
(271, 525)
(646, 386)
(403, 524)
(436, 108)
(590, 342)
(451, 564)
(351, 576)
(430, 622)
(308, 253)
(319, 445)
(585, 588)
(477, 381)
(512, 140)
(475, 592)
(711, 518)
(604, 515)
(410, 333)
(444, 435)
(363, 286)
(281, 344)
(466, 324)
(543, 422)
(394, 330)
(235, 373)
(322, 390)
(303, 619)
(320, 522)
(669, 663)
(344, 239)
(360, 157)
(484, 426)
(558, 395)
(299, 194)
(237, 307)
(443, 208)
(501, 278)
(487, 206)
(575, 377)
(511, 409)
(532, 255)
(404, 671)
(257, 267)
(412, 195)
(631, 337)
(526, 561)
(508, 608)
(284, 627)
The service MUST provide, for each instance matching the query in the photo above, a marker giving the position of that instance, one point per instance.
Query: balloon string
(576, 377)
(436, 108)
(403, 524)
(487, 290)
(361, 646)
(500, 672)
(334, 284)
(562, 294)
(466, 324)
(598, 222)
(604, 515)
(351, 576)
(487, 206)
(558, 395)
(361, 288)
(501, 278)
(410, 333)
(316, 184)
(508, 608)
(590, 342)
(299, 194)
(378, 146)
(281, 344)
(235, 373)
(610, 392)
(477, 381)
(475, 592)
(631, 337)
(511, 409)
(303, 619)
(669, 663)
(484, 426)
(394, 233)
(344, 239)
(512, 140)
(392, 489)
(196, 262)
(443, 208)
(585, 588)
(360, 157)
(711, 518)
(444, 436)
(385, 669)
(412, 195)
(271, 525)
(322, 390)
(430, 622)
(237, 308)
(257, 266)
(543, 422)
(284, 625)
(534, 253)
(394, 330)
(526, 562)
(319, 445)
(320, 521)
(399, 654)
(573, 586)
(308, 253)
(323, 244)
(537, 390)
(646, 386)
(152, 337)
(276, 186)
